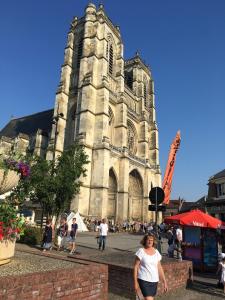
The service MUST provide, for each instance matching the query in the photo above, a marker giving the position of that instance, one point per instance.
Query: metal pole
(156, 221)
(156, 210)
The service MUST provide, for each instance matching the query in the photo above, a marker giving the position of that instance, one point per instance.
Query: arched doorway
(112, 196)
(135, 191)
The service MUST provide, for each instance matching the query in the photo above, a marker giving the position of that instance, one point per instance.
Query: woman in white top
(148, 268)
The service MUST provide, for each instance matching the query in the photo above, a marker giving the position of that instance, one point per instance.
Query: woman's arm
(136, 267)
(162, 276)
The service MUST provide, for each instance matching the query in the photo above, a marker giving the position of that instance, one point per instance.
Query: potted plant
(11, 227)
(11, 171)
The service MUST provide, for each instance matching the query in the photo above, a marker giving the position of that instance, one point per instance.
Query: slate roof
(28, 124)
(218, 175)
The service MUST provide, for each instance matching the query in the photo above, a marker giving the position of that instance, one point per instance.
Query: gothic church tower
(108, 105)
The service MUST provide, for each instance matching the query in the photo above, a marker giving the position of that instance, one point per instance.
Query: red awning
(195, 218)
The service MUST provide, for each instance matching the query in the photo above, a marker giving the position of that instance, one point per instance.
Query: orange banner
(168, 177)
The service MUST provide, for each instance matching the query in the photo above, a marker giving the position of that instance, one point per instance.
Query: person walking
(178, 242)
(47, 236)
(103, 231)
(221, 271)
(73, 235)
(148, 269)
(62, 234)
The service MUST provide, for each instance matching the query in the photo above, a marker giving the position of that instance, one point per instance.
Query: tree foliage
(53, 184)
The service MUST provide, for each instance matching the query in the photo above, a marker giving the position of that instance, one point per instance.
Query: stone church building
(107, 104)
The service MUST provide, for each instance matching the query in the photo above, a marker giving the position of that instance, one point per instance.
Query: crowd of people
(147, 266)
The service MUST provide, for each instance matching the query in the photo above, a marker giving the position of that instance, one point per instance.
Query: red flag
(167, 181)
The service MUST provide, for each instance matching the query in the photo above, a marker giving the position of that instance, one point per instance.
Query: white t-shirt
(179, 234)
(148, 269)
(103, 228)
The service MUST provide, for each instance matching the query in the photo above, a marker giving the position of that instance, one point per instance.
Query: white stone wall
(90, 90)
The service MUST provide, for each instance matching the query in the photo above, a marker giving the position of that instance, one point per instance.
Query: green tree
(53, 184)
(69, 168)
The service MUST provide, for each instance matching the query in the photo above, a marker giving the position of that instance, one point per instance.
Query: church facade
(107, 104)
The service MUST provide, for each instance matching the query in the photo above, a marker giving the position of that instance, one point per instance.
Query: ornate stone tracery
(111, 125)
(135, 195)
(112, 195)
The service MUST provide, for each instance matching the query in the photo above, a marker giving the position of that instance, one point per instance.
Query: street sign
(156, 195)
(159, 208)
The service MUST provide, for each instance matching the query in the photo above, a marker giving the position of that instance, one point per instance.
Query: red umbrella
(195, 218)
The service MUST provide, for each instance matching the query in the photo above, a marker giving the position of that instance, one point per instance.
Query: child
(73, 235)
(62, 234)
(47, 237)
(221, 269)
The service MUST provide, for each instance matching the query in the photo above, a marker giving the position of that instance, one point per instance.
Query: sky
(183, 42)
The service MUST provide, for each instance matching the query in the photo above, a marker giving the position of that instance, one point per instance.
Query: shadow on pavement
(206, 288)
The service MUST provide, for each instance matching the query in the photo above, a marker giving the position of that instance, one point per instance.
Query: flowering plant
(11, 226)
(20, 167)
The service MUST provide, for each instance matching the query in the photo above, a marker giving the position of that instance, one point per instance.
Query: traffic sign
(156, 195)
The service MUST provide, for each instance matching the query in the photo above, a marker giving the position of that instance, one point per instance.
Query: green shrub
(32, 235)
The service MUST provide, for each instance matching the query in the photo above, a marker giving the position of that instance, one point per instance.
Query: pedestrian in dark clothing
(73, 235)
(47, 236)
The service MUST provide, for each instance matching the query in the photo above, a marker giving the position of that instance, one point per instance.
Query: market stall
(200, 238)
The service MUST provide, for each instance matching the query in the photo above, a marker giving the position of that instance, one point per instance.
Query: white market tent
(79, 221)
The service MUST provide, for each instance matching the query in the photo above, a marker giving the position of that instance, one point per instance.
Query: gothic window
(131, 138)
(107, 50)
(129, 79)
(145, 94)
(79, 52)
(112, 195)
(135, 191)
(111, 59)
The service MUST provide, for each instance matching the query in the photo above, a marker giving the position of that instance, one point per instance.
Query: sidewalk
(120, 250)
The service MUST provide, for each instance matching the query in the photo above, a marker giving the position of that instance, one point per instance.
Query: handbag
(97, 239)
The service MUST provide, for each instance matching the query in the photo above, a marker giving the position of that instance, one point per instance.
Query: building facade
(107, 104)
(215, 203)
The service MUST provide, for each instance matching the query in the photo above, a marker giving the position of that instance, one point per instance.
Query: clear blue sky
(182, 41)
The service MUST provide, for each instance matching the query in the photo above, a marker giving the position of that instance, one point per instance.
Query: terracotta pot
(7, 250)
(10, 181)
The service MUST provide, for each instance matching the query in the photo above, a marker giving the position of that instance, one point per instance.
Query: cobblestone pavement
(120, 250)
(24, 263)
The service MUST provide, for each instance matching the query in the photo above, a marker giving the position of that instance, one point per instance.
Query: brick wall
(177, 275)
(80, 282)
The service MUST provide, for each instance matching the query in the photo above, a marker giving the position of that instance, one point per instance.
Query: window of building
(220, 189)
(222, 217)
(145, 94)
(111, 59)
(129, 79)
(79, 52)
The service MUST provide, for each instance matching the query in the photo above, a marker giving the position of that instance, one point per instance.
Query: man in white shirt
(178, 241)
(103, 231)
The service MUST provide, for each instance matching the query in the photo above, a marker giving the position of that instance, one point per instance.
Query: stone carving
(131, 138)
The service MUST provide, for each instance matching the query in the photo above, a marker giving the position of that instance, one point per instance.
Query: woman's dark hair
(49, 221)
(144, 240)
